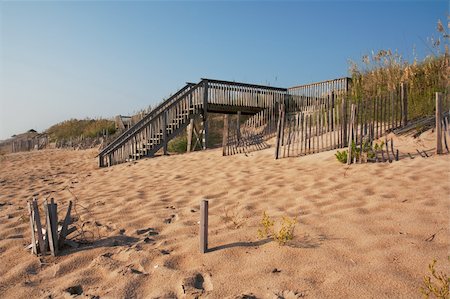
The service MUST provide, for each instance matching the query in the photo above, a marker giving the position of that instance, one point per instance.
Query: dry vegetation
(382, 72)
(74, 128)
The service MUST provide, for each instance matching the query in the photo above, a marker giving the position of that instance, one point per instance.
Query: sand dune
(362, 230)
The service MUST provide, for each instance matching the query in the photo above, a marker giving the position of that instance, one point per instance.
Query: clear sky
(62, 60)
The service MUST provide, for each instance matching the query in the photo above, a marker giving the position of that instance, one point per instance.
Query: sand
(365, 231)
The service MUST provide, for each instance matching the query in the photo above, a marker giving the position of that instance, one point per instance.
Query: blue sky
(62, 60)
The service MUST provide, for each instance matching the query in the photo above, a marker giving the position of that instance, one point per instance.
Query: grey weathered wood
(225, 134)
(189, 134)
(37, 218)
(32, 228)
(238, 125)
(65, 226)
(438, 123)
(387, 149)
(165, 132)
(350, 134)
(49, 230)
(279, 131)
(404, 99)
(205, 115)
(203, 226)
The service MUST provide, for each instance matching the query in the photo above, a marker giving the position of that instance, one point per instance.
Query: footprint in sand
(196, 285)
(171, 219)
(287, 294)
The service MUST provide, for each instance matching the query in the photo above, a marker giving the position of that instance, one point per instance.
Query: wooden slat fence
(252, 134)
(325, 124)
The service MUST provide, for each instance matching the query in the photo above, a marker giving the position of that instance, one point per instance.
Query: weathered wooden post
(438, 123)
(225, 134)
(164, 132)
(205, 114)
(280, 128)
(203, 226)
(189, 135)
(404, 96)
(238, 126)
(350, 134)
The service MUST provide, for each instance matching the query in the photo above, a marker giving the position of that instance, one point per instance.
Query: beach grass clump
(178, 144)
(281, 233)
(381, 73)
(75, 128)
(436, 285)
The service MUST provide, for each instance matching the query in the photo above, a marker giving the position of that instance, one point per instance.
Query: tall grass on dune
(75, 128)
(382, 72)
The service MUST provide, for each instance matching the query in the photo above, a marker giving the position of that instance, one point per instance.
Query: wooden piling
(203, 226)
(225, 134)
(438, 123)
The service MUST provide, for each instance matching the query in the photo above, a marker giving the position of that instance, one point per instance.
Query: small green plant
(285, 232)
(438, 288)
(178, 144)
(341, 156)
(365, 150)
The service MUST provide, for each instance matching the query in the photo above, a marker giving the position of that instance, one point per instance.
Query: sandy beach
(364, 231)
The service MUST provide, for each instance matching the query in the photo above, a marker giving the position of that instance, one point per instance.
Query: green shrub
(74, 128)
(285, 232)
(178, 144)
(439, 287)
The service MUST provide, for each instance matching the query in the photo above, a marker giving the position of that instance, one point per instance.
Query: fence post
(350, 134)
(189, 135)
(438, 123)
(164, 132)
(225, 134)
(279, 130)
(404, 95)
(205, 114)
(238, 126)
(203, 226)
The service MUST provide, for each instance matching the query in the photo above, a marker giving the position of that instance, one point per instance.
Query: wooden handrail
(136, 127)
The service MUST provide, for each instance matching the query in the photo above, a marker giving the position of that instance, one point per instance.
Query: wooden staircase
(157, 128)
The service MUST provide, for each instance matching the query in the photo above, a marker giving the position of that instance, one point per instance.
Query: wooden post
(404, 96)
(33, 235)
(189, 135)
(54, 223)
(225, 134)
(238, 126)
(164, 132)
(350, 134)
(203, 226)
(438, 123)
(65, 226)
(47, 210)
(205, 114)
(279, 130)
(37, 219)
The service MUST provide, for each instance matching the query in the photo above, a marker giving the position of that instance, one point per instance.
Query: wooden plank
(350, 134)
(189, 129)
(64, 230)
(54, 223)
(387, 149)
(404, 99)
(32, 228)
(438, 123)
(49, 230)
(225, 134)
(279, 131)
(205, 116)
(37, 219)
(203, 226)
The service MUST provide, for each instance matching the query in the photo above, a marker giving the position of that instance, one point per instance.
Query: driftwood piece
(49, 230)
(33, 236)
(37, 219)
(65, 226)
